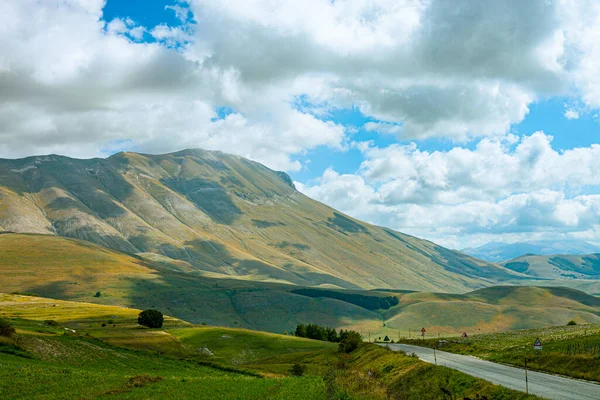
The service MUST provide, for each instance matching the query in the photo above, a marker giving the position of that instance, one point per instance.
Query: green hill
(493, 309)
(71, 269)
(557, 266)
(217, 215)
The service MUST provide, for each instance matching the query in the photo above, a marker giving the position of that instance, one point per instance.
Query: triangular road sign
(465, 334)
(423, 330)
(537, 342)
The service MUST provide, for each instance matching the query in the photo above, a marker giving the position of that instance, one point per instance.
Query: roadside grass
(566, 350)
(241, 346)
(373, 372)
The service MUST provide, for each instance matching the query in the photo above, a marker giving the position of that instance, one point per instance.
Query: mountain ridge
(221, 215)
(500, 252)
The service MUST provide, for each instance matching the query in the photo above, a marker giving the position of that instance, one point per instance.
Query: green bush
(350, 342)
(297, 369)
(98, 294)
(6, 328)
(571, 322)
(151, 318)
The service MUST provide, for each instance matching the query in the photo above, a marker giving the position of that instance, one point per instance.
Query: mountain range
(223, 216)
(499, 252)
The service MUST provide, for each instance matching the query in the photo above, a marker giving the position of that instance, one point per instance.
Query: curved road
(540, 384)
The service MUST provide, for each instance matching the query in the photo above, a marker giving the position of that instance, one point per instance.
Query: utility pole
(434, 355)
(409, 333)
(526, 380)
(369, 337)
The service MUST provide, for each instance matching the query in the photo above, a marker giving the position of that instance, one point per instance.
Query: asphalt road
(543, 385)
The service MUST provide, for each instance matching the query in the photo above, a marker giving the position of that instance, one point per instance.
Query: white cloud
(571, 114)
(499, 187)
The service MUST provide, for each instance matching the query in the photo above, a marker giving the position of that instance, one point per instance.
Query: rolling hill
(558, 266)
(221, 216)
(498, 252)
(71, 269)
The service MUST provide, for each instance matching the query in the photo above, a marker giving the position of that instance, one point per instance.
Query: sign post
(423, 333)
(526, 380)
(537, 345)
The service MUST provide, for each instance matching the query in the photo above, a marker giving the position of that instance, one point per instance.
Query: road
(543, 385)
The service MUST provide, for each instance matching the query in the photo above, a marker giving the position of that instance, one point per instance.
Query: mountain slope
(498, 252)
(563, 266)
(222, 216)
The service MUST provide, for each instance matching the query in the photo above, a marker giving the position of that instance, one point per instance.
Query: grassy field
(373, 372)
(62, 351)
(567, 350)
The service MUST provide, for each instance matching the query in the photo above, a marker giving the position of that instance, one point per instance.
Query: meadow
(72, 350)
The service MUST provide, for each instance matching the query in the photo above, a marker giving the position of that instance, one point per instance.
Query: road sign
(537, 345)
(423, 332)
(465, 335)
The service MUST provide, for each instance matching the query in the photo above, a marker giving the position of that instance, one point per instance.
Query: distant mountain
(222, 216)
(498, 252)
(566, 266)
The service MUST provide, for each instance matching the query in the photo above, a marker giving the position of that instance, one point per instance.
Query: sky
(461, 122)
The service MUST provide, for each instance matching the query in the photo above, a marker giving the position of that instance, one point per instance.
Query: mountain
(222, 216)
(498, 252)
(564, 266)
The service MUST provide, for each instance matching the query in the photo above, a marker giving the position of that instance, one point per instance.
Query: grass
(46, 361)
(567, 350)
(242, 346)
(373, 372)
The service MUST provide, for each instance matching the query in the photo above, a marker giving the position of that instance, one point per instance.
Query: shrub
(297, 369)
(151, 318)
(351, 341)
(98, 294)
(51, 322)
(6, 328)
(571, 322)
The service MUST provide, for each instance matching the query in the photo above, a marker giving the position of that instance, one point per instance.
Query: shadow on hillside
(207, 195)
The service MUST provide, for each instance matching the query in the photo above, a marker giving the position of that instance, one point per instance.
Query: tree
(300, 330)
(98, 294)
(6, 328)
(151, 318)
(351, 341)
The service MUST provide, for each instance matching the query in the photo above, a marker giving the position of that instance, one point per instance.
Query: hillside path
(544, 385)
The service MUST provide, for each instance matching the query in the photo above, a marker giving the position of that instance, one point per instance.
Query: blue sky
(432, 118)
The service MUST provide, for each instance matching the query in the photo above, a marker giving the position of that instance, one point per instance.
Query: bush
(571, 322)
(51, 322)
(6, 328)
(98, 294)
(351, 341)
(151, 318)
(297, 369)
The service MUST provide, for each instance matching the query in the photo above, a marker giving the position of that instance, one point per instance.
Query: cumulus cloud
(499, 187)
(74, 83)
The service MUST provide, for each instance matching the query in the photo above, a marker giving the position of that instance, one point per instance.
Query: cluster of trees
(365, 301)
(348, 340)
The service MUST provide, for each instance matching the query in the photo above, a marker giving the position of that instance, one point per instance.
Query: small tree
(6, 328)
(571, 322)
(98, 294)
(151, 318)
(297, 369)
